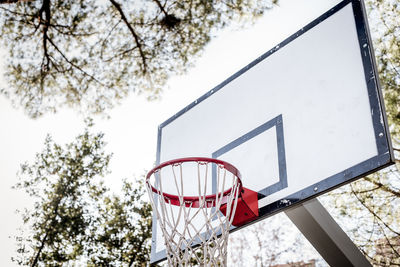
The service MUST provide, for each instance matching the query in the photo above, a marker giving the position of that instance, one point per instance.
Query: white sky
(131, 132)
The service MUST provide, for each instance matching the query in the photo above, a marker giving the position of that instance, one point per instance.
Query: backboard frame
(385, 155)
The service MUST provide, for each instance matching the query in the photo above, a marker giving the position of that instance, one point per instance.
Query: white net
(187, 198)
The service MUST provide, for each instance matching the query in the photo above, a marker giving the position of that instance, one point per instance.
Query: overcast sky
(132, 129)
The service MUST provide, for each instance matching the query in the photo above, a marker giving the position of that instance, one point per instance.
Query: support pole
(326, 236)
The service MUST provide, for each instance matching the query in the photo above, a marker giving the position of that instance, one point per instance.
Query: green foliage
(74, 219)
(125, 231)
(61, 181)
(91, 54)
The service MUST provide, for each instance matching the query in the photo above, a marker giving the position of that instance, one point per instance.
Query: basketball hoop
(195, 220)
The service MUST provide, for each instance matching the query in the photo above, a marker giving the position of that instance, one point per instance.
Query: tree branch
(161, 7)
(134, 34)
(170, 20)
(382, 186)
(368, 190)
(103, 42)
(70, 32)
(389, 243)
(120, 54)
(43, 242)
(44, 19)
(73, 64)
(18, 13)
(371, 211)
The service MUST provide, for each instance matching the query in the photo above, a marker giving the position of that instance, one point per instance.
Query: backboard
(304, 118)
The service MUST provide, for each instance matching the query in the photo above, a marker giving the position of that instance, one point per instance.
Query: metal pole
(326, 236)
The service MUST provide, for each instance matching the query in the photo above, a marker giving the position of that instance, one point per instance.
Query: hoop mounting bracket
(247, 208)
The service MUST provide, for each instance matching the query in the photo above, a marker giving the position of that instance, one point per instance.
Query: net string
(186, 242)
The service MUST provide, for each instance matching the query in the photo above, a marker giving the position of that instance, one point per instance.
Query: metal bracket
(326, 236)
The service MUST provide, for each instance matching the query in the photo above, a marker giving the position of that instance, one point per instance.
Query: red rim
(194, 201)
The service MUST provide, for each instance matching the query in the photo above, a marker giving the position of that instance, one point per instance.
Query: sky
(131, 131)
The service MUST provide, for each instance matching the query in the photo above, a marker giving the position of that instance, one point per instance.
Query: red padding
(247, 208)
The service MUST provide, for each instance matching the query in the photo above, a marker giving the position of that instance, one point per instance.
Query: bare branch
(134, 34)
(42, 244)
(103, 42)
(70, 32)
(388, 242)
(44, 19)
(368, 190)
(170, 21)
(123, 53)
(73, 64)
(17, 13)
(371, 211)
(161, 7)
(382, 186)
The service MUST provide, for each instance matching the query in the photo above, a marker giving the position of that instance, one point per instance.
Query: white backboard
(304, 118)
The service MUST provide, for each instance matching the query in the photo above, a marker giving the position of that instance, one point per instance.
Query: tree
(267, 243)
(74, 219)
(368, 208)
(124, 239)
(91, 54)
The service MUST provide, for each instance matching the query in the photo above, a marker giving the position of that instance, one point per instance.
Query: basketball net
(194, 230)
